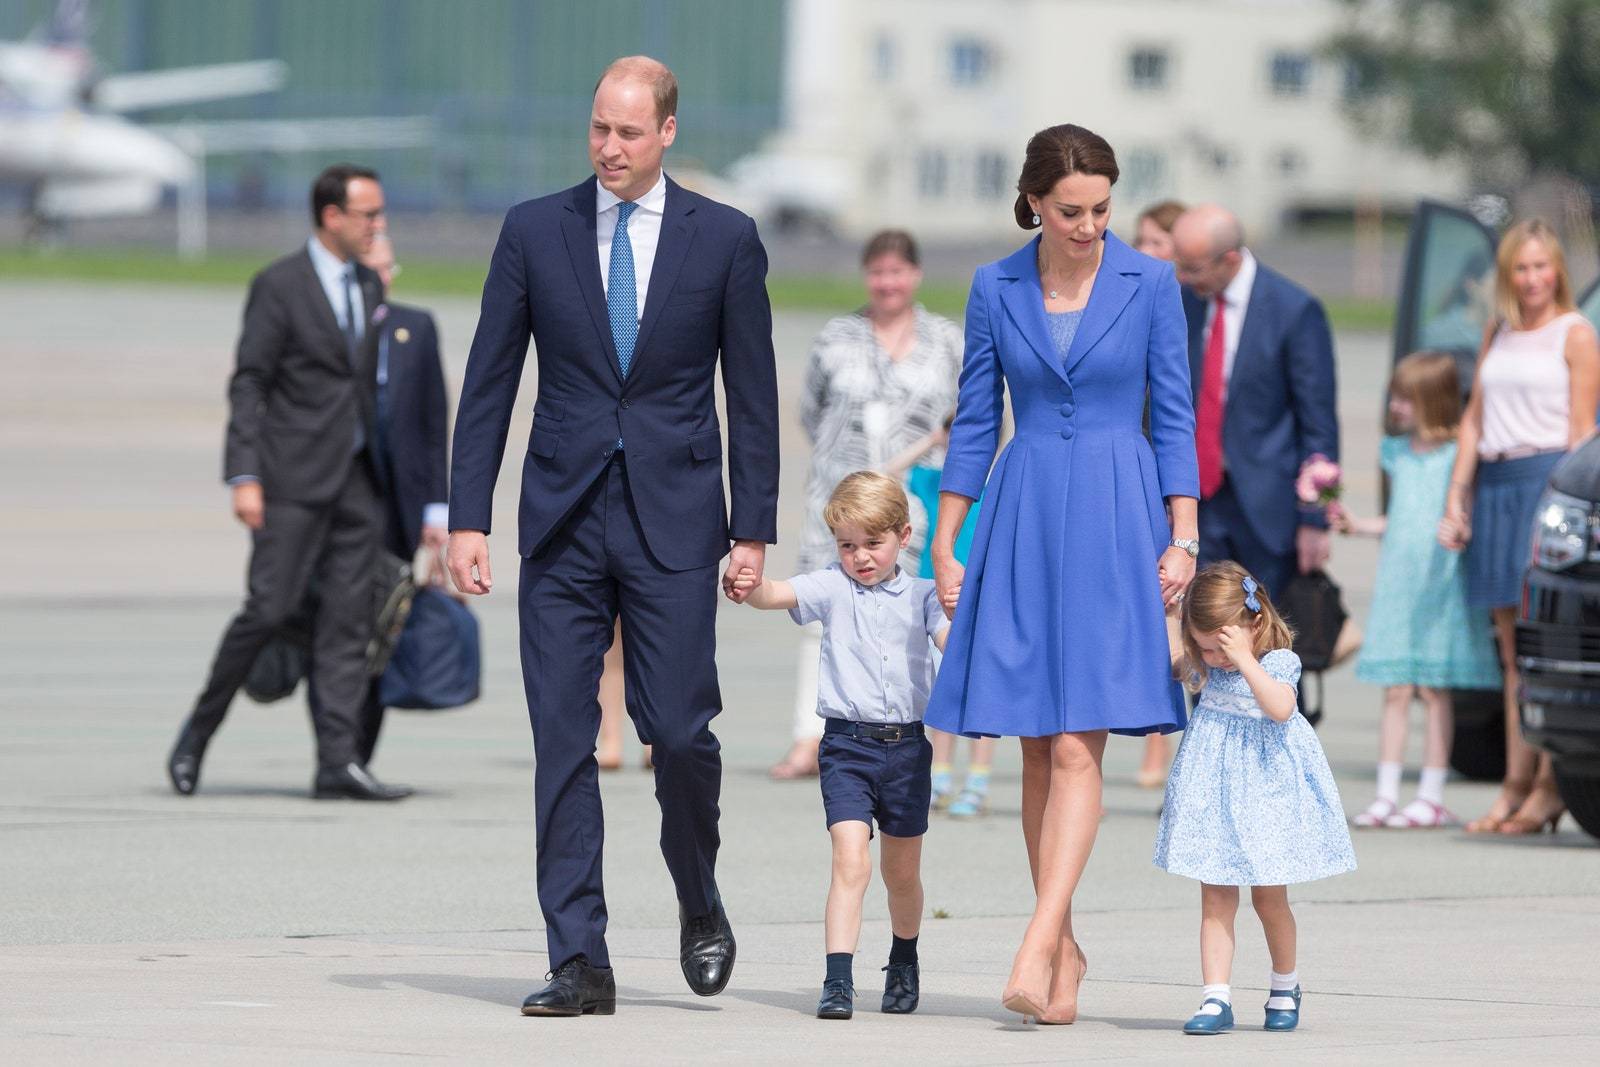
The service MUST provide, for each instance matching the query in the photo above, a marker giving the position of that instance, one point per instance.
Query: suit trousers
(1224, 534)
(594, 566)
(335, 544)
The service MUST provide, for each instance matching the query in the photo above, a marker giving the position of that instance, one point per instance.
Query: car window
(1589, 304)
(1448, 287)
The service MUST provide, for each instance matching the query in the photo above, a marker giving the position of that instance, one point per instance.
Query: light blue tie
(622, 291)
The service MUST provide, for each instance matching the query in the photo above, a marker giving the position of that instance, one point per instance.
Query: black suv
(1558, 632)
(1444, 302)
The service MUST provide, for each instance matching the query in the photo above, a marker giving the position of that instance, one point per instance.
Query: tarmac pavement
(248, 924)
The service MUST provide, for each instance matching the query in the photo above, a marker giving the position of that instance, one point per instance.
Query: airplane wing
(143, 90)
(296, 135)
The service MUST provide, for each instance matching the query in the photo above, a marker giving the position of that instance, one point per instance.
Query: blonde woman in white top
(1533, 399)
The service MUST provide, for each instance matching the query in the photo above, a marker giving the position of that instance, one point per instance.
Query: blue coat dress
(1060, 627)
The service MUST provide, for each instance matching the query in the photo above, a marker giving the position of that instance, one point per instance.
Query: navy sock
(839, 967)
(903, 950)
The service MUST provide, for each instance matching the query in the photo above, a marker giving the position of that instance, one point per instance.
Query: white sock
(1281, 986)
(1389, 782)
(1432, 785)
(1214, 992)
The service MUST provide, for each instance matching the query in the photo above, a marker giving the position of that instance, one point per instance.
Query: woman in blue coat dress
(1059, 635)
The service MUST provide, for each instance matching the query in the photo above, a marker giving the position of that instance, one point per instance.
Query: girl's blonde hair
(874, 502)
(1505, 292)
(1216, 598)
(1430, 381)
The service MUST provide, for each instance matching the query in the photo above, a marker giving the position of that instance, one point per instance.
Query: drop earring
(1036, 220)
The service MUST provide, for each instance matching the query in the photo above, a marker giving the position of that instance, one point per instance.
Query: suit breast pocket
(695, 298)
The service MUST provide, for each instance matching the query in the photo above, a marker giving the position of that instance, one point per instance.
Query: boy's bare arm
(766, 594)
(940, 638)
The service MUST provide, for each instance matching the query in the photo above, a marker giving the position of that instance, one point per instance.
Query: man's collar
(655, 200)
(325, 262)
(1237, 292)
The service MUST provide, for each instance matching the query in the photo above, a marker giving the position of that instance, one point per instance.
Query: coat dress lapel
(578, 230)
(1024, 301)
(1114, 285)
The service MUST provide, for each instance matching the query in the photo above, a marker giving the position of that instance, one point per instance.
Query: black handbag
(438, 661)
(282, 663)
(1313, 605)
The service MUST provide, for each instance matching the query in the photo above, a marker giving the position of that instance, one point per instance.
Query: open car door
(1447, 289)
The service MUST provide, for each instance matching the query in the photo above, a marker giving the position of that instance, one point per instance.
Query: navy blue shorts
(887, 783)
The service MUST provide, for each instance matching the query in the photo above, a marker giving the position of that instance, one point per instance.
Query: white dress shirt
(332, 272)
(1236, 298)
(644, 232)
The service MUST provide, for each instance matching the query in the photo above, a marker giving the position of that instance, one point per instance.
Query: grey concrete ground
(250, 925)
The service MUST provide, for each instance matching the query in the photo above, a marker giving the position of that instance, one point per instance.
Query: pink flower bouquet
(1320, 484)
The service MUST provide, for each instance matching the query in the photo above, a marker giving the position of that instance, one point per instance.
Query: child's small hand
(744, 583)
(1237, 644)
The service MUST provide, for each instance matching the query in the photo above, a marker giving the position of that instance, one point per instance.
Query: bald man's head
(1207, 246)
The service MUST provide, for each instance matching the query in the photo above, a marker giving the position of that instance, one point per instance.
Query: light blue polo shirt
(877, 643)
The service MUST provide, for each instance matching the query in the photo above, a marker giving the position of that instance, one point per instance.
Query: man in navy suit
(1261, 366)
(631, 288)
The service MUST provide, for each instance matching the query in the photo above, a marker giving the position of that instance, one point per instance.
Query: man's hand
(468, 561)
(1313, 546)
(745, 564)
(249, 507)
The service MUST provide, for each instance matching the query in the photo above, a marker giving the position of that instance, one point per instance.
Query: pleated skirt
(1502, 527)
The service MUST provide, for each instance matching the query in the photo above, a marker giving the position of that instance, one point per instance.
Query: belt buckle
(892, 733)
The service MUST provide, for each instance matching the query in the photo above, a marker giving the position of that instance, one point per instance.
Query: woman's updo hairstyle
(1054, 153)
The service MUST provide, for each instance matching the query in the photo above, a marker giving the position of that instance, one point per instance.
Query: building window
(933, 173)
(883, 58)
(1291, 73)
(1147, 69)
(992, 176)
(1218, 158)
(1145, 171)
(1289, 162)
(971, 62)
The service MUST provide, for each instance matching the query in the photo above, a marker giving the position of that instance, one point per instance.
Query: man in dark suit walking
(1261, 366)
(631, 288)
(299, 461)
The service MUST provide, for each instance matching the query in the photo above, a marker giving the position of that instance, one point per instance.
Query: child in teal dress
(1422, 640)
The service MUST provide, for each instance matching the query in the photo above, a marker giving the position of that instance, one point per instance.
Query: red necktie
(1208, 420)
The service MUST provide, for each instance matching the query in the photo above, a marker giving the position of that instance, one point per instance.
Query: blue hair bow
(1251, 601)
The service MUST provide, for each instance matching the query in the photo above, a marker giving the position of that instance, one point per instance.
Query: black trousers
(335, 544)
(1224, 534)
(596, 565)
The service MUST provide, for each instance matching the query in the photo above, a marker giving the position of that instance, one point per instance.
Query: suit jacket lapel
(1194, 310)
(677, 231)
(1024, 301)
(1111, 292)
(578, 230)
(316, 298)
(1251, 337)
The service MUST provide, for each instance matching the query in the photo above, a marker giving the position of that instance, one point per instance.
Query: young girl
(1421, 639)
(1250, 798)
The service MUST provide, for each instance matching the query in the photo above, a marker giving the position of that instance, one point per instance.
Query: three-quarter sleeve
(980, 402)
(1171, 401)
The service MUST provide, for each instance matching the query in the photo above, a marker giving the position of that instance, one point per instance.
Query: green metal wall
(508, 82)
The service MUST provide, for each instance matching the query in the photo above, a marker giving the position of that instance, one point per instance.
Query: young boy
(873, 683)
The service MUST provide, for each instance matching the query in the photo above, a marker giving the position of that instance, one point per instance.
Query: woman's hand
(1176, 571)
(1238, 645)
(948, 574)
(1455, 529)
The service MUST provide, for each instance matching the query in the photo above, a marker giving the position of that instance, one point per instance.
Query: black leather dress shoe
(576, 988)
(706, 950)
(183, 765)
(355, 782)
(902, 988)
(838, 1000)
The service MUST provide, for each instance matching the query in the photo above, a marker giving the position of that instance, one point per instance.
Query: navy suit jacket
(1281, 402)
(415, 434)
(707, 298)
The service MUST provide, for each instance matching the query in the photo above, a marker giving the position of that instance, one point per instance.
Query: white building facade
(915, 112)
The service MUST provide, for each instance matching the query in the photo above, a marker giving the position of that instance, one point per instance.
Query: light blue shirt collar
(331, 272)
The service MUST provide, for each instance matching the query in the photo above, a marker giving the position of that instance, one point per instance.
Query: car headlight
(1561, 531)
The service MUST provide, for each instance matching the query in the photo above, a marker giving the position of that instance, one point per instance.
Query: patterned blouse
(861, 409)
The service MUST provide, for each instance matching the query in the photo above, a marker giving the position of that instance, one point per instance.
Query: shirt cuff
(244, 479)
(437, 514)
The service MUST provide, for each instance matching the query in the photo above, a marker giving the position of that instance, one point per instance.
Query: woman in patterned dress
(879, 379)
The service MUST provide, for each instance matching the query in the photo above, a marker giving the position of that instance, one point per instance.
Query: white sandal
(1421, 814)
(1378, 813)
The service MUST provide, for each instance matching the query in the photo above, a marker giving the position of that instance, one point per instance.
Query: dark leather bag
(437, 663)
(1313, 605)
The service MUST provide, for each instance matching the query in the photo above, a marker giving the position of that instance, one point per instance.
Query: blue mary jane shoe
(1283, 1018)
(1203, 1023)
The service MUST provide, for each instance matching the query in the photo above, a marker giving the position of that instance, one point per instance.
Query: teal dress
(1421, 631)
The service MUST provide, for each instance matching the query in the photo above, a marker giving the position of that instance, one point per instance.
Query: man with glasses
(299, 459)
(1261, 366)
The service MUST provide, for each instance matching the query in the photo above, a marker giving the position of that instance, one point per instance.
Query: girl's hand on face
(1238, 645)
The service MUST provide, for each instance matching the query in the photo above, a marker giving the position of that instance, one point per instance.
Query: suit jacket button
(627, 403)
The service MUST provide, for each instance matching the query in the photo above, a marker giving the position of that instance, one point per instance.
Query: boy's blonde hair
(1216, 598)
(1430, 381)
(874, 502)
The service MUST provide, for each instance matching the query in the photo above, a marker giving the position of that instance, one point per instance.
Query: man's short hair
(875, 502)
(332, 188)
(652, 72)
